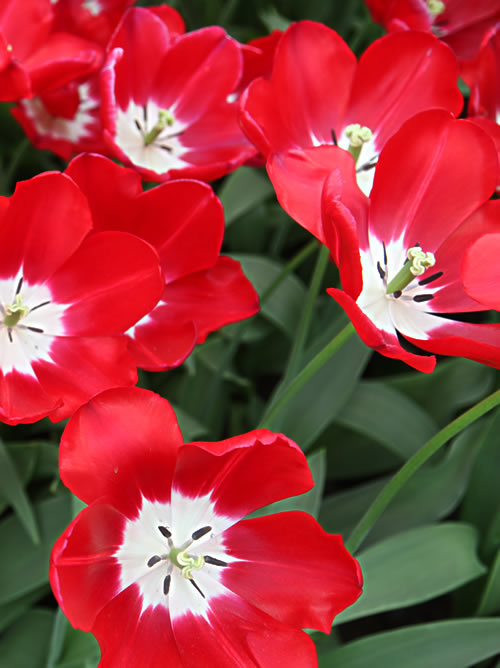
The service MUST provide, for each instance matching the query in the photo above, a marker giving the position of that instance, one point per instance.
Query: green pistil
(14, 312)
(417, 264)
(435, 7)
(165, 118)
(185, 562)
(358, 135)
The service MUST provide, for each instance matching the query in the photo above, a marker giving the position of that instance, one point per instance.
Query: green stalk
(305, 375)
(214, 388)
(381, 502)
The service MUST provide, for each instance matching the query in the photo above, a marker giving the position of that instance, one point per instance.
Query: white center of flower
(29, 321)
(92, 6)
(151, 137)
(405, 310)
(175, 553)
(84, 123)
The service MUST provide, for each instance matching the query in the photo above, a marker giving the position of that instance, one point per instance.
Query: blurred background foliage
(431, 563)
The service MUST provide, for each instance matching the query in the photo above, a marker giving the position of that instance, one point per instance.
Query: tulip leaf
(325, 395)
(13, 491)
(242, 191)
(23, 566)
(415, 566)
(447, 644)
(27, 642)
(80, 650)
(9, 612)
(453, 386)
(432, 493)
(490, 600)
(284, 305)
(389, 417)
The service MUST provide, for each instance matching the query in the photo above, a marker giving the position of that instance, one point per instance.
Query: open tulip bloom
(320, 100)
(162, 568)
(184, 221)
(66, 296)
(400, 252)
(165, 108)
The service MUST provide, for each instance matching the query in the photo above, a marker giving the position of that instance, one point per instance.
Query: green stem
(305, 375)
(305, 318)
(214, 388)
(381, 502)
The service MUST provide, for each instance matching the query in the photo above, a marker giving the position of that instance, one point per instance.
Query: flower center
(181, 558)
(416, 264)
(13, 313)
(165, 119)
(357, 135)
(435, 7)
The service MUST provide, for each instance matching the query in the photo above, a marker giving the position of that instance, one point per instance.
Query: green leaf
(12, 489)
(80, 650)
(243, 190)
(26, 643)
(11, 611)
(454, 385)
(273, 20)
(432, 493)
(308, 502)
(415, 566)
(389, 417)
(482, 499)
(326, 394)
(490, 600)
(284, 306)
(59, 629)
(190, 427)
(24, 567)
(449, 644)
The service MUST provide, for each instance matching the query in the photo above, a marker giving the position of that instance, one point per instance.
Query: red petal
(23, 400)
(291, 569)
(144, 39)
(110, 205)
(232, 471)
(203, 68)
(344, 228)
(298, 177)
(308, 92)
(476, 342)
(84, 574)
(481, 271)
(383, 342)
(237, 634)
(61, 59)
(35, 233)
(184, 221)
(123, 444)
(162, 342)
(388, 90)
(82, 367)
(212, 298)
(130, 638)
(111, 282)
(429, 181)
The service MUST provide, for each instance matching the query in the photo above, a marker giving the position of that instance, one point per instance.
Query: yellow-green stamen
(165, 118)
(14, 312)
(435, 7)
(357, 135)
(418, 262)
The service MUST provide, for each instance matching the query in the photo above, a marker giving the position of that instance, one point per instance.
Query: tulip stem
(305, 375)
(386, 495)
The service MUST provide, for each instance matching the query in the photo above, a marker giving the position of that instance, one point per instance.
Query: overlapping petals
(35, 56)
(433, 201)
(65, 296)
(247, 587)
(165, 99)
(462, 25)
(184, 221)
(318, 95)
